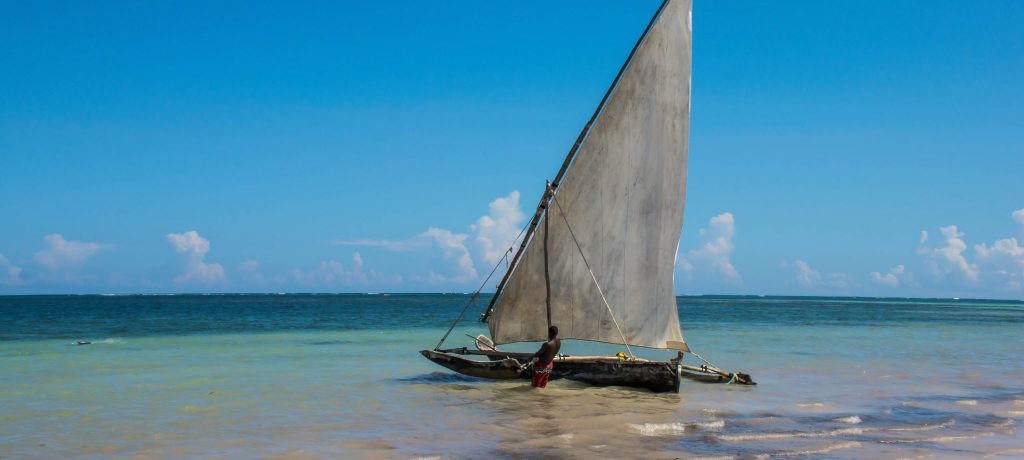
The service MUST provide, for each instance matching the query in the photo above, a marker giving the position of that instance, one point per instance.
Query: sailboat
(597, 258)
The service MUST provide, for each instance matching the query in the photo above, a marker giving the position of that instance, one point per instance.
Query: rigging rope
(476, 294)
(709, 363)
(599, 290)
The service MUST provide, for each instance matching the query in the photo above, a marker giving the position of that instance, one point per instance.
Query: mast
(552, 188)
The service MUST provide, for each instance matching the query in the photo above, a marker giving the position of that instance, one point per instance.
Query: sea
(309, 376)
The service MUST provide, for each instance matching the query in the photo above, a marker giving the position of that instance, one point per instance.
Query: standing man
(545, 358)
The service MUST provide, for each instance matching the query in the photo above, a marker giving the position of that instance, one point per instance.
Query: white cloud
(195, 247)
(413, 244)
(10, 274)
(452, 258)
(949, 259)
(452, 248)
(334, 273)
(715, 250)
(496, 232)
(806, 276)
(894, 278)
(250, 270)
(1018, 216)
(492, 235)
(1004, 260)
(189, 242)
(59, 252)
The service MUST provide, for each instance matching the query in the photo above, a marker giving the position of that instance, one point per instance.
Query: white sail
(623, 196)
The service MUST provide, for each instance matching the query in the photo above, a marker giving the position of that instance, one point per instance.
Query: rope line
(476, 295)
(709, 363)
(599, 290)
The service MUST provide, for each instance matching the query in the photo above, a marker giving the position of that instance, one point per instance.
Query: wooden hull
(501, 369)
(656, 376)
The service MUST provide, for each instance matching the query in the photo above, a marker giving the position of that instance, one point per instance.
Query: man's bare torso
(548, 351)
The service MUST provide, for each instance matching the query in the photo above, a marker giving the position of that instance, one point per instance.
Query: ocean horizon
(339, 375)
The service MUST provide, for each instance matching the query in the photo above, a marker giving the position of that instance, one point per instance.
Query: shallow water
(328, 376)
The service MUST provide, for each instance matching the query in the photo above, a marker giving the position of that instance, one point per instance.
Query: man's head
(552, 332)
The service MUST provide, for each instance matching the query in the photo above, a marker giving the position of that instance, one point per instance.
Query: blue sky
(193, 147)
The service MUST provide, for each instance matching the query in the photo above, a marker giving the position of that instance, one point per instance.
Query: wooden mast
(553, 186)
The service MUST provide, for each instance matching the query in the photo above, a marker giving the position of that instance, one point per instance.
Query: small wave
(1001, 422)
(1019, 402)
(1007, 452)
(712, 425)
(676, 429)
(718, 412)
(98, 342)
(811, 405)
(659, 429)
(946, 424)
(934, 439)
(797, 434)
(852, 420)
(823, 450)
(1015, 413)
(967, 402)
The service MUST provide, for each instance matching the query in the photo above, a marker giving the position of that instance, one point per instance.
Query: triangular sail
(623, 197)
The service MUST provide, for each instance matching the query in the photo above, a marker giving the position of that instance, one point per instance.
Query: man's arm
(543, 350)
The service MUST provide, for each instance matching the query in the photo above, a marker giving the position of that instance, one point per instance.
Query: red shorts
(540, 375)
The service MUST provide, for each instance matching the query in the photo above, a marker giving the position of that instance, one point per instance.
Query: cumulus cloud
(250, 270)
(453, 262)
(949, 259)
(896, 276)
(715, 250)
(806, 276)
(1004, 260)
(497, 231)
(1018, 216)
(59, 252)
(10, 274)
(451, 256)
(453, 251)
(334, 273)
(194, 249)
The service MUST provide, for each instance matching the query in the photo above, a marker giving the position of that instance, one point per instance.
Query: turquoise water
(331, 376)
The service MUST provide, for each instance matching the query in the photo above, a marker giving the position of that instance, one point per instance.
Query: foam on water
(791, 435)
(852, 420)
(676, 428)
(803, 453)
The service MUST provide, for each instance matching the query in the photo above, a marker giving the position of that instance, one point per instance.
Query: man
(544, 359)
